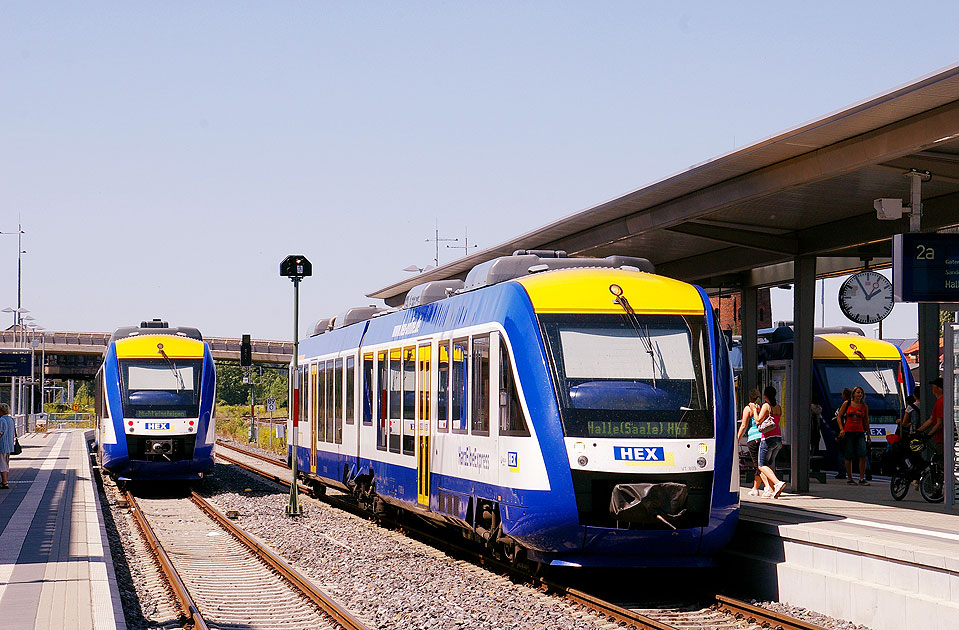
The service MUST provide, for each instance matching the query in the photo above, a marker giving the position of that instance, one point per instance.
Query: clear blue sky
(164, 157)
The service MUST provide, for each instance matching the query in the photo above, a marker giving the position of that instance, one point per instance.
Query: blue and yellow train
(571, 411)
(155, 394)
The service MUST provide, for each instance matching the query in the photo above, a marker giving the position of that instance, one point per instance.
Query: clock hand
(859, 282)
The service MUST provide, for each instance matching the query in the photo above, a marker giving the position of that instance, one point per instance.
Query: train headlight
(702, 448)
(701, 462)
(583, 460)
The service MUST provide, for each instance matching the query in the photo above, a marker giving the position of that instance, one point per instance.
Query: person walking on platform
(771, 443)
(933, 426)
(748, 427)
(837, 421)
(910, 419)
(854, 431)
(8, 433)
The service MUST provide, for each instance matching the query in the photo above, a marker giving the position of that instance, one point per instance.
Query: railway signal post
(295, 268)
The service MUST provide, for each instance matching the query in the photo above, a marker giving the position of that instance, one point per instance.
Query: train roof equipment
(321, 326)
(431, 292)
(154, 327)
(525, 262)
(355, 315)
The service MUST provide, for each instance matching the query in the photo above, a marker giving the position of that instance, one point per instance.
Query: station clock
(866, 297)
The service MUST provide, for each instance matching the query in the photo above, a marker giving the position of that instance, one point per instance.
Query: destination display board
(925, 267)
(14, 362)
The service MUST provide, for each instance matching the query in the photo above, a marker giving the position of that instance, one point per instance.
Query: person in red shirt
(933, 426)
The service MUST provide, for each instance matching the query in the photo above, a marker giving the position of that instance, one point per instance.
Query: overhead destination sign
(14, 362)
(925, 267)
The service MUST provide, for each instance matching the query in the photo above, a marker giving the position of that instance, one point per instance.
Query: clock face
(866, 297)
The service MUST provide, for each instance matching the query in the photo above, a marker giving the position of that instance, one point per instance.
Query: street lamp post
(295, 268)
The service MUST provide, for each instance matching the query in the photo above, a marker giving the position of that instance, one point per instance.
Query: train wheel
(898, 486)
(931, 484)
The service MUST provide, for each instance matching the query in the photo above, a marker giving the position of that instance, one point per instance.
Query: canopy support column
(804, 316)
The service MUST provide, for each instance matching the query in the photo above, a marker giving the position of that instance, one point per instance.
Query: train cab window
(481, 382)
(409, 400)
(459, 385)
(367, 388)
(443, 387)
(336, 389)
(328, 400)
(382, 401)
(348, 400)
(511, 418)
(396, 399)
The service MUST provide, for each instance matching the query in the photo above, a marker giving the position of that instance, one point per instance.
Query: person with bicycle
(933, 426)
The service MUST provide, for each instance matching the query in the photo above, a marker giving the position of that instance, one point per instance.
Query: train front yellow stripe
(586, 290)
(834, 346)
(145, 347)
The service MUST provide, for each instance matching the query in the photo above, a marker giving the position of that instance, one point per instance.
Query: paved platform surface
(858, 554)
(55, 565)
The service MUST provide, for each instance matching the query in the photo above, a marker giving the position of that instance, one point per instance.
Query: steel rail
(341, 615)
(733, 607)
(176, 584)
(239, 449)
(762, 616)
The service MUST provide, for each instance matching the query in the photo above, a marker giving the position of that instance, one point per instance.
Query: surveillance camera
(888, 209)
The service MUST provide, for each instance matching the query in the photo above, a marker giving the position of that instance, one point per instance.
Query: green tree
(231, 390)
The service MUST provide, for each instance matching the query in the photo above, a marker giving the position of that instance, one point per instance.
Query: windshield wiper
(644, 337)
(875, 368)
(176, 372)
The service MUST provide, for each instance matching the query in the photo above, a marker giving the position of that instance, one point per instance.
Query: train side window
(511, 418)
(460, 383)
(367, 388)
(382, 400)
(443, 386)
(336, 389)
(348, 400)
(304, 395)
(396, 399)
(328, 394)
(320, 402)
(409, 400)
(480, 375)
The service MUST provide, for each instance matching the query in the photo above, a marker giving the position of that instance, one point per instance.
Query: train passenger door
(311, 407)
(423, 381)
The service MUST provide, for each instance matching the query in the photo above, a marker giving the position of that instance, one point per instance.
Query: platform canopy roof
(742, 218)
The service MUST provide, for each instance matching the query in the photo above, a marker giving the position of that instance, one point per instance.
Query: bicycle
(916, 461)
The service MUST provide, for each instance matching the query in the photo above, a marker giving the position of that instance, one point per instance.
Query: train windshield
(631, 378)
(880, 380)
(160, 388)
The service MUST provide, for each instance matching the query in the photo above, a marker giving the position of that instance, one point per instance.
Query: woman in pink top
(772, 442)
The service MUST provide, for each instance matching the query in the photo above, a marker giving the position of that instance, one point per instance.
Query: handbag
(768, 426)
(17, 449)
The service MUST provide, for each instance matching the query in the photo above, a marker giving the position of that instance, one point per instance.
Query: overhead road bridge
(79, 354)
(784, 210)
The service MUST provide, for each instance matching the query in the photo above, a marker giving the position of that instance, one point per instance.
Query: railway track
(721, 614)
(225, 579)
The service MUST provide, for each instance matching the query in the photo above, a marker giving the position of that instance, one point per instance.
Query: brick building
(730, 315)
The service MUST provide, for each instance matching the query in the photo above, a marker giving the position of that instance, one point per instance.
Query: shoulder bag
(17, 449)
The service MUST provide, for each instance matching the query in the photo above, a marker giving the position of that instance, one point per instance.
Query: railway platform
(55, 565)
(854, 553)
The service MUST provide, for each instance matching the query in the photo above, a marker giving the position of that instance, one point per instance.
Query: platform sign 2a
(925, 267)
(14, 362)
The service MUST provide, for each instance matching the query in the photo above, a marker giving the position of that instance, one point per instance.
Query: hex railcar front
(154, 404)
(582, 414)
